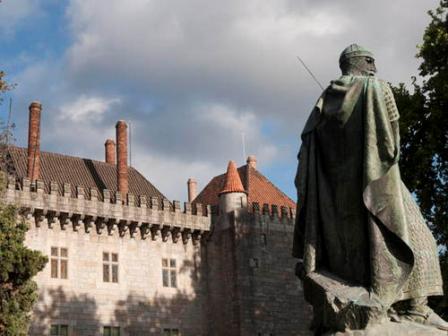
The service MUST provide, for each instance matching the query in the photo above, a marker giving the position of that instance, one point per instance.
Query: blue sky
(191, 76)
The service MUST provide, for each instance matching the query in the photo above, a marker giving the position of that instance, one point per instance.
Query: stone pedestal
(393, 329)
(338, 305)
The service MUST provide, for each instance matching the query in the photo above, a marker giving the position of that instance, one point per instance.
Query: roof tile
(232, 180)
(258, 187)
(77, 171)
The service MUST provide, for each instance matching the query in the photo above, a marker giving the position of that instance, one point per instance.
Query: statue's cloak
(355, 218)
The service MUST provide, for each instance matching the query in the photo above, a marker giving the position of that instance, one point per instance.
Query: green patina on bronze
(355, 218)
(352, 51)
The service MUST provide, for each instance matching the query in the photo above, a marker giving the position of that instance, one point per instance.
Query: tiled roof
(79, 172)
(232, 181)
(261, 190)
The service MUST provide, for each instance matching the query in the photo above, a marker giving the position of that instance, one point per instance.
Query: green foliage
(424, 132)
(6, 128)
(4, 85)
(18, 264)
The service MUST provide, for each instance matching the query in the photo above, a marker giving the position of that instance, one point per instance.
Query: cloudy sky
(191, 77)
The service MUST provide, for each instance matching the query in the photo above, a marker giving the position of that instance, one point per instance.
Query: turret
(233, 196)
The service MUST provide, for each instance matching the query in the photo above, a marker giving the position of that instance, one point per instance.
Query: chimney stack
(252, 161)
(110, 151)
(33, 169)
(251, 164)
(122, 157)
(192, 189)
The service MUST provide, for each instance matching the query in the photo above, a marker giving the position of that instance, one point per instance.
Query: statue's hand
(300, 270)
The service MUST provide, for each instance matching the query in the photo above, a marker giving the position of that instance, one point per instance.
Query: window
(111, 331)
(254, 263)
(170, 332)
(264, 240)
(59, 262)
(110, 267)
(59, 330)
(169, 273)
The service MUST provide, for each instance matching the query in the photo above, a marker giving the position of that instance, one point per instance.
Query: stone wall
(235, 279)
(140, 236)
(222, 286)
(272, 301)
(252, 287)
(139, 303)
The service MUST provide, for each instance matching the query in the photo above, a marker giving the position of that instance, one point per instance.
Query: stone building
(124, 260)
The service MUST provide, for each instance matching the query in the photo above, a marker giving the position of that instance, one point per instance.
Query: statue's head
(356, 60)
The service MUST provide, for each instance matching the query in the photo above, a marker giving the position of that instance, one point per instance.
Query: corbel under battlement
(135, 215)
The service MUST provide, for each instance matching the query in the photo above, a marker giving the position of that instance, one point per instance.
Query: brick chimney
(252, 161)
(110, 151)
(122, 157)
(33, 169)
(251, 164)
(192, 189)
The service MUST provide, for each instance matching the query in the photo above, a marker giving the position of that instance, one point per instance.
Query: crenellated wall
(271, 295)
(129, 217)
(252, 285)
(141, 237)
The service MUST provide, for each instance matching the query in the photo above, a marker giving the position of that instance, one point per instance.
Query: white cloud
(290, 26)
(170, 175)
(87, 109)
(234, 126)
(192, 75)
(14, 12)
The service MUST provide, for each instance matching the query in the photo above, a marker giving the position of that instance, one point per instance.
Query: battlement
(108, 214)
(273, 212)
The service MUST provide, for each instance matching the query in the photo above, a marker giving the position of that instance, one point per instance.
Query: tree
(4, 85)
(424, 132)
(18, 264)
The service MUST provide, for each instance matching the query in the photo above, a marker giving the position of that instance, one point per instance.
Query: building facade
(124, 260)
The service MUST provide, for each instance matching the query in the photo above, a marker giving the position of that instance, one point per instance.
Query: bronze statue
(357, 225)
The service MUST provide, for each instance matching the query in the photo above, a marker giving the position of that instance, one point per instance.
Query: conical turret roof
(258, 187)
(233, 181)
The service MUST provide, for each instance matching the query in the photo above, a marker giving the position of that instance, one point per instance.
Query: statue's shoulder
(349, 80)
(345, 82)
(368, 82)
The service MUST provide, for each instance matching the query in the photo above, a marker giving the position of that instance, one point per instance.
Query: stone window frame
(264, 240)
(254, 263)
(111, 330)
(56, 329)
(170, 331)
(59, 262)
(169, 273)
(110, 262)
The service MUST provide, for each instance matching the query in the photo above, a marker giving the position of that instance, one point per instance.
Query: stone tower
(252, 289)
